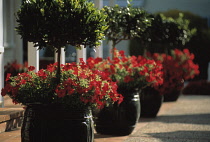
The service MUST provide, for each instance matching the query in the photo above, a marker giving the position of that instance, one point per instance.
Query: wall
(199, 7)
(1, 51)
(1, 77)
(12, 41)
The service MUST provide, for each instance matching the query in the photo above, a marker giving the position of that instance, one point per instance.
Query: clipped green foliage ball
(55, 23)
(169, 31)
(125, 23)
(164, 34)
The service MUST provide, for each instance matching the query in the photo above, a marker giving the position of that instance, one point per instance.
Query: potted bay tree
(58, 99)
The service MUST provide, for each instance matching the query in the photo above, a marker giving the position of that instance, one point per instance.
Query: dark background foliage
(198, 43)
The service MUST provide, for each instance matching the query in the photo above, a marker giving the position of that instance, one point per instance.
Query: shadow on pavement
(187, 119)
(182, 136)
(98, 136)
(143, 119)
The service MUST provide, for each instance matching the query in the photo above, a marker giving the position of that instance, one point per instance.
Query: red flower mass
(78, 84)
(177, 67)
(129, 72)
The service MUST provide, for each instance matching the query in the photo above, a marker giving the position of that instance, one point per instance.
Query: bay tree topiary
(56, 23)
(165, 33)
(199, 43)
(183, 33)
(125, 23)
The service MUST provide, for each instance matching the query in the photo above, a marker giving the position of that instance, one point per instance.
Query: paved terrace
(186, 120)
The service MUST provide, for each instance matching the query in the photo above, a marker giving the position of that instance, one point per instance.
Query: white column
(1, 52)
(81, 54)
(1, 76)
(98, 3)
(99, 49)
(62, 56)
(33, 56)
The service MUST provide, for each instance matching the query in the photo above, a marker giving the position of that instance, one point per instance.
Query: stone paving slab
(11, 136)
(186, 120)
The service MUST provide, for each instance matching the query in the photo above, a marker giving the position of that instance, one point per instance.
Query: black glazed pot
(150, 101)
(119, 119)
(47, 123)
(172, 96)
(174, 93)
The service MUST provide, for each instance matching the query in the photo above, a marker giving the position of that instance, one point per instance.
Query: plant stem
(113, 46)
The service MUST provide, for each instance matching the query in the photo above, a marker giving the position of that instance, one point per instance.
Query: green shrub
(55, 23)
(200, 43)
(164, 34)
(126, 23)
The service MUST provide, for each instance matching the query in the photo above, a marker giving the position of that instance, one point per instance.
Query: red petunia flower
(8, 76)
(31, 68)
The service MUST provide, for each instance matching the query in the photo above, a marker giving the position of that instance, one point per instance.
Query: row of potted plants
(110, 87)
(59, 100)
